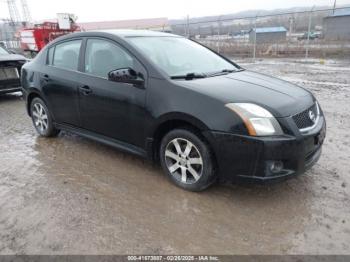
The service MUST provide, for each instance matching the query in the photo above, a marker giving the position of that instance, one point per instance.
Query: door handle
(46, 77)
(85, 90)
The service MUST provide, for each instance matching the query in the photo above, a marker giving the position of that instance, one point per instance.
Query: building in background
(337, 25)
(157, 24)
(268, 34)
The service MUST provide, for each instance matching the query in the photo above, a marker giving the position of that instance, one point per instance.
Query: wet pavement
(70, 195)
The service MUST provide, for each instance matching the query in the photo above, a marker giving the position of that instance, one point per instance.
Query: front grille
(9, 73)
(303, 120)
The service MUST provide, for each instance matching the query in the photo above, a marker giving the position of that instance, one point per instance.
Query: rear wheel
(187, 160)
(42, 119)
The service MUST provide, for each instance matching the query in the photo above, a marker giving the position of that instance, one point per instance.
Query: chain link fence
(315, 33)
(312, 33)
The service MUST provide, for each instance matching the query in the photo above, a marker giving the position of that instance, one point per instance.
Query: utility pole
(219, 33)
(334, 6)
(188, 26)
(308, 34)
(291, 25)
(254, 51)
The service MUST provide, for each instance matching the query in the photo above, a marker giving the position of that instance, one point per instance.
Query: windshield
(180, 56)
(3, 51)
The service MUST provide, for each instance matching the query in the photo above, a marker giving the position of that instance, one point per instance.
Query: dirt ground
(69, 195)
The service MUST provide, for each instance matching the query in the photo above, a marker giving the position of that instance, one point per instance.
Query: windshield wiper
(224, 72)
(189, 76)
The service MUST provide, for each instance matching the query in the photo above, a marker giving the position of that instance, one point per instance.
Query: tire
(42, 119)
(187, 160)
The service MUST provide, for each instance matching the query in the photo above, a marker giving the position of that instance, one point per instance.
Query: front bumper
(10, 86)
(246, 158)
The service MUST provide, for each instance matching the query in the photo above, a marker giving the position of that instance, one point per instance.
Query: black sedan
(10, 69)
(169, 99)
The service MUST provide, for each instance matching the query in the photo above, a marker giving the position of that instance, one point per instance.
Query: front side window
(178, 56)
(103, 56)
(66, 55)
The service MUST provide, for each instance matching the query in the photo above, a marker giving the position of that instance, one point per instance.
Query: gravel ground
(69, 195)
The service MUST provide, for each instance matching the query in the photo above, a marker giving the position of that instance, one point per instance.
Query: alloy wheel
(40, 118)
(184, 160)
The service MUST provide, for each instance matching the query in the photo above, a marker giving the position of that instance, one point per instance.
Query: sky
(104, 10)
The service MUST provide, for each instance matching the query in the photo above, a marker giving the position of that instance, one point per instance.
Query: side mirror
(127, 75)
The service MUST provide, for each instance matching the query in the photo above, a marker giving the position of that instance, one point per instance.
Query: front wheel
(42, 119)
(187, 160)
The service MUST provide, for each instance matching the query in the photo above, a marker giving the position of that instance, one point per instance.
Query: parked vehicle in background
(172, 100)
(10, 69)
(312, 36)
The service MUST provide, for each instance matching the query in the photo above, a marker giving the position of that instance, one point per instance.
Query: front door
(112, 109)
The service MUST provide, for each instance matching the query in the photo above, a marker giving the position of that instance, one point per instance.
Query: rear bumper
(10, 86)
(251, 159)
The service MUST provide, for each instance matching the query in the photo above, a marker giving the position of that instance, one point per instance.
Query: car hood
(280, 97)
(11, 57)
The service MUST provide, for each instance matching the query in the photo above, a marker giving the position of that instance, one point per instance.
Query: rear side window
(103, 56)
(66, 55)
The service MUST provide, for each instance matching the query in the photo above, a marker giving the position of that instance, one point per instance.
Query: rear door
(115, 110)
(60, 81)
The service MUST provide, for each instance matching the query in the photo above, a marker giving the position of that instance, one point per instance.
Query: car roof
(118, 33)
(134, 33)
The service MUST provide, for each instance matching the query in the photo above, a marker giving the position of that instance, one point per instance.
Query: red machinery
(33, 39)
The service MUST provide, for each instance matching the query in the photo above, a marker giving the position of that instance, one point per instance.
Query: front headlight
(257, 120)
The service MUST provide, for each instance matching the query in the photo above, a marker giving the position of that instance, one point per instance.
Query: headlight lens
(257, 119)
